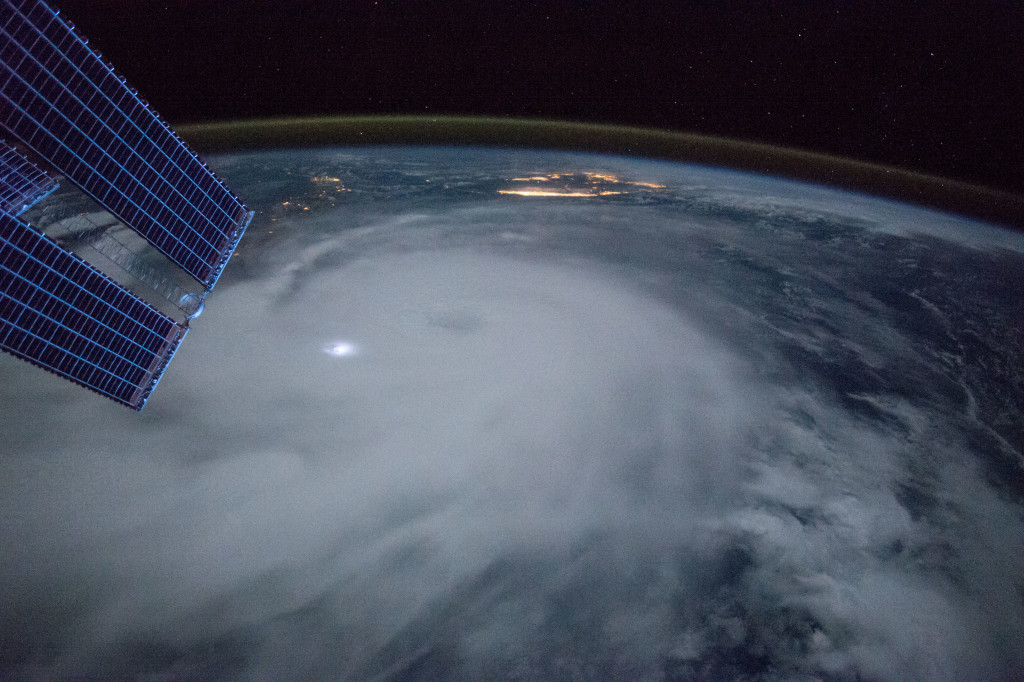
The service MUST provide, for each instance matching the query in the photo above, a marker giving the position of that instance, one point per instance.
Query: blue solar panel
(21, 182)
(61, 99)
(60, 313)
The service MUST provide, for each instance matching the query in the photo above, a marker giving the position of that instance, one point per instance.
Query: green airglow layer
(895, 183)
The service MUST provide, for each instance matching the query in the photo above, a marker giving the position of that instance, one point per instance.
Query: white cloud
(525, 455)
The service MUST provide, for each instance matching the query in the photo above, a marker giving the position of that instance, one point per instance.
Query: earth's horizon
(902, 184)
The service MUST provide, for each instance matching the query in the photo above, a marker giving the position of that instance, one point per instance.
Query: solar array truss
(21, 182)
(60, 313)
(61, 99)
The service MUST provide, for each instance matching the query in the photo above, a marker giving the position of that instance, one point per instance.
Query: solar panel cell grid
(58, 312)
(61, 99)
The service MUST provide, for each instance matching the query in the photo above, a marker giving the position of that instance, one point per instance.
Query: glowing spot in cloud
(341, 349)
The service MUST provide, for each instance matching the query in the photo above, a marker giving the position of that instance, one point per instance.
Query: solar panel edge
(63, 375)
(229, 249)
(54, 186)
(159, 366)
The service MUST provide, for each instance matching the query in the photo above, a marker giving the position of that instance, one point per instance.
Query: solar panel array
(65, 102)
(21, 182)
(60, 313)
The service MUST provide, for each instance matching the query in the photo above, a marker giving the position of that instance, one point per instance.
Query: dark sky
(937, 87)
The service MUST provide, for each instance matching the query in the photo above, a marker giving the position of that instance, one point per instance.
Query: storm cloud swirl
(460, 443)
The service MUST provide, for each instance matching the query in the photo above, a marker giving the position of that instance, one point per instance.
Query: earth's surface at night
(467, 413)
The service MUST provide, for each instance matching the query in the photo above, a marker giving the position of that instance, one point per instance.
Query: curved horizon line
(930, 191)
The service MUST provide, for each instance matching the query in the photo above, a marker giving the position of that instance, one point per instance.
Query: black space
(936, 87)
